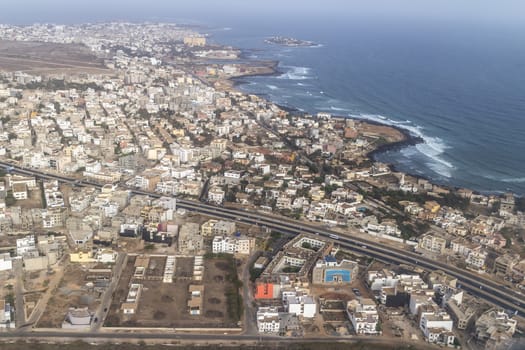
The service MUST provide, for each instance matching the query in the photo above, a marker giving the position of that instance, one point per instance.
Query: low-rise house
(233, 245)
(364, 317)
(190, 241)
(216, 195)
(432, 243)
(6, 262)
(495, 328)
(268, 320)
(6, 315)
(303, 305)
(78, 318)
(476, 259)
(437, 328)
(131, 304)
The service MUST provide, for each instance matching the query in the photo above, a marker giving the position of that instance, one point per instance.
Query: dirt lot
(165, 304)
(71, 292)
(48, 57)
(34, 200)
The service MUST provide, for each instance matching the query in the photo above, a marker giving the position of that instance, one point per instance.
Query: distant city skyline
(66, 11)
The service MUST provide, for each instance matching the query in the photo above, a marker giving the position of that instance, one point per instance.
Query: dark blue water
(460, 86)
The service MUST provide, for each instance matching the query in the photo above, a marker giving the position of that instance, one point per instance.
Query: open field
(166, 304)
(40, 57)
(71, 292)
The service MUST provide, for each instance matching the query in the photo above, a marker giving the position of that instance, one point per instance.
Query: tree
(10, 199)
(57, 107)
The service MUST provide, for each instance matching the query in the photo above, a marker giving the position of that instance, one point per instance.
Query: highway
(474, 283)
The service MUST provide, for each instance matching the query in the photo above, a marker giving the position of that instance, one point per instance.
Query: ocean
(460, 86)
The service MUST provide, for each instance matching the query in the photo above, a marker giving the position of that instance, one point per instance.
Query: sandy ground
(48, 58)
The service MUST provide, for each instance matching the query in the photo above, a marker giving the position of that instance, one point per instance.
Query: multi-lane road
(476, 284)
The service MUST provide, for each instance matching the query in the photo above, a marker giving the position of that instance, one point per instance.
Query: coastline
(409, 139)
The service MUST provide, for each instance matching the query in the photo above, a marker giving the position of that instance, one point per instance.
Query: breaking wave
(432, 147)
(296, 73)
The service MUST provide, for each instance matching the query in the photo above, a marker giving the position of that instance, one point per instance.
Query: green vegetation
(9, 199)
(274, 237)
(291, 269)
(307, 245)
(10, 298)
(255, 273)
(57, 107)
(60, 84)
(43, 195)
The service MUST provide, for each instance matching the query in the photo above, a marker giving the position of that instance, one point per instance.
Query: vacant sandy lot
(165, 304)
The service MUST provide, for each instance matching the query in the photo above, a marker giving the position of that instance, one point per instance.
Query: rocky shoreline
(408, 140)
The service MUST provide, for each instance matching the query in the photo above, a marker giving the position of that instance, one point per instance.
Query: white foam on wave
(296, 73)
(514, 180)
(432, 147)
(272, 87)
(339, 109)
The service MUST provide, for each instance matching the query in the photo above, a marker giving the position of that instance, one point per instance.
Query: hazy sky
(67, 11)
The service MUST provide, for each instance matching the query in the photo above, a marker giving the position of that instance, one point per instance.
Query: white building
(232, 174)
(363, 315)
(26, 245)
(437, 327)
(476, 259)
(5, 315)
(216, 195)
(268, 320)
(20, 191)
(303, 305)
(379, 279)
(232, 245)
(6, 263)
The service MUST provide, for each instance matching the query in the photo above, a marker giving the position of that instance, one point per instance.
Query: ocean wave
(272, 87)
(440, 169)
(296, 73)
(339, 109)
(432, 147)
(514, 180)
